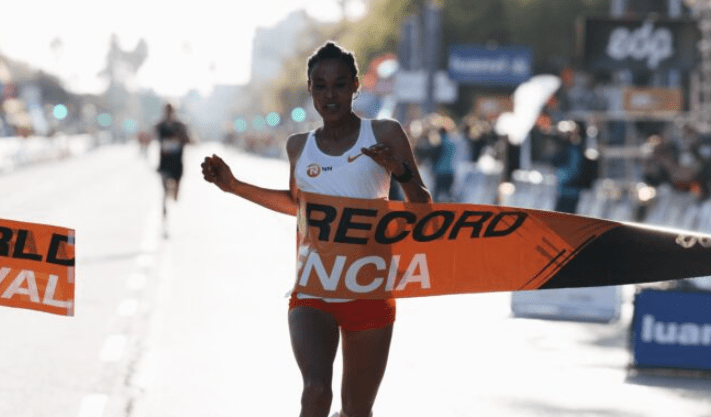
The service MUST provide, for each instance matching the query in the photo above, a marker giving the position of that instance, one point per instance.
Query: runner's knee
(316, 392)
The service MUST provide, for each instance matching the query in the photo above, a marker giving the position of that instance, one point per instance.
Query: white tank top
(351, 174)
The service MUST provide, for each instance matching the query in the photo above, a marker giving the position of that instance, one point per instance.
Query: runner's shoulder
(295, 144)
(386, 125)
(388, 130)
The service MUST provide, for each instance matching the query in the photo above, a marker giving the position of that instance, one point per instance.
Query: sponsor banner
(37, 267)
(652, 100)
(355, 248)
(474, 64)
(638, 44)
(672, 329)
(411, 87)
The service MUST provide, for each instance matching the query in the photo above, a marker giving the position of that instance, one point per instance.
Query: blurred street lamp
(258, 122)
(130, 126)
(272, 119)
(298, 114)
(240, 125)
(104, 119)
(60, 111)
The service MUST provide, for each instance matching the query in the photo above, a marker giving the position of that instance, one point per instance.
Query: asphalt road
(195, 324)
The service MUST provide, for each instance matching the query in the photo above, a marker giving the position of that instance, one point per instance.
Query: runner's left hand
(383, 155)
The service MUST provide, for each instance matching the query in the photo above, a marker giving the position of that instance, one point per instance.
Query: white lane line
(113, 348)
(92, 405)
(145, 370)
(150, 240)
(144, 260)
(137, 281)
(128, 307)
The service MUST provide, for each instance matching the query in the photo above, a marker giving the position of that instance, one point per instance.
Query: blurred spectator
(686, 168)
(578, 92)
(443, 165)
(700, 153)
(568, 161)
(512, 160)
(144, 139)
(4, 128)
(664, 155)
(478, 134)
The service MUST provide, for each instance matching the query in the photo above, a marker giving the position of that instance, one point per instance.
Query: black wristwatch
(406, 176)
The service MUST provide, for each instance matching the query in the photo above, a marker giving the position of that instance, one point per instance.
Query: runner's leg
(365, 356)
(165, 179)
(168, 186)
(314, 339)
(176, 188)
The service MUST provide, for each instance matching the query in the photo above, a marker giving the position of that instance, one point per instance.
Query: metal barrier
(606, 199)
(19, 151)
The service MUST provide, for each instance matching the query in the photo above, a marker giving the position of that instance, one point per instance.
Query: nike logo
(353, 158)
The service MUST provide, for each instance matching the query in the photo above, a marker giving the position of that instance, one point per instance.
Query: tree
(547, 26)
(539, 23)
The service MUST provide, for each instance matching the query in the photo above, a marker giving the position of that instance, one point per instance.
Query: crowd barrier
(607, 199)
(17, 151)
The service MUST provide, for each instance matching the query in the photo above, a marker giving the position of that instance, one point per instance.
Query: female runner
(315, 324)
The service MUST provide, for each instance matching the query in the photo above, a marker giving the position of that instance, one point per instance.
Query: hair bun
(330, 50)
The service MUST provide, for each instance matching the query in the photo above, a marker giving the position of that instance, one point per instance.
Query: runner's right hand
(216, 171)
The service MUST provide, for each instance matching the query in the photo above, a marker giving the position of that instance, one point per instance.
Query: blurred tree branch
(548, 26)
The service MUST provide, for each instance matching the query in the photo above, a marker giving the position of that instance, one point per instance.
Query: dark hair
(332, 51)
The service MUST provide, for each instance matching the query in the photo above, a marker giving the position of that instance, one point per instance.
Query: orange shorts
(352, 315)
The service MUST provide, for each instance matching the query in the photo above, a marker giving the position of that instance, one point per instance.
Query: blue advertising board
(474, 64)
(672, 329)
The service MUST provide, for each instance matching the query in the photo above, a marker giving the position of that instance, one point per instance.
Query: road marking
(128, 307)
(92, 405)
(149, 244)
(145, 369)
(113, 348)
(136, 281)
(144, 260)
(150, 240)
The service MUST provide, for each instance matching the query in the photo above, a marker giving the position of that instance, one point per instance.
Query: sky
(191, 44)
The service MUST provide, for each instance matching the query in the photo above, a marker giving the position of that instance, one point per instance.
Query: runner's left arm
(394, 153)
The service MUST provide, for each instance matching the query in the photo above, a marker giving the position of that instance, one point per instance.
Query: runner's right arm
(216, 171)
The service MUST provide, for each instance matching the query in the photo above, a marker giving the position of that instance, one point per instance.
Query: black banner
(639, 44)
